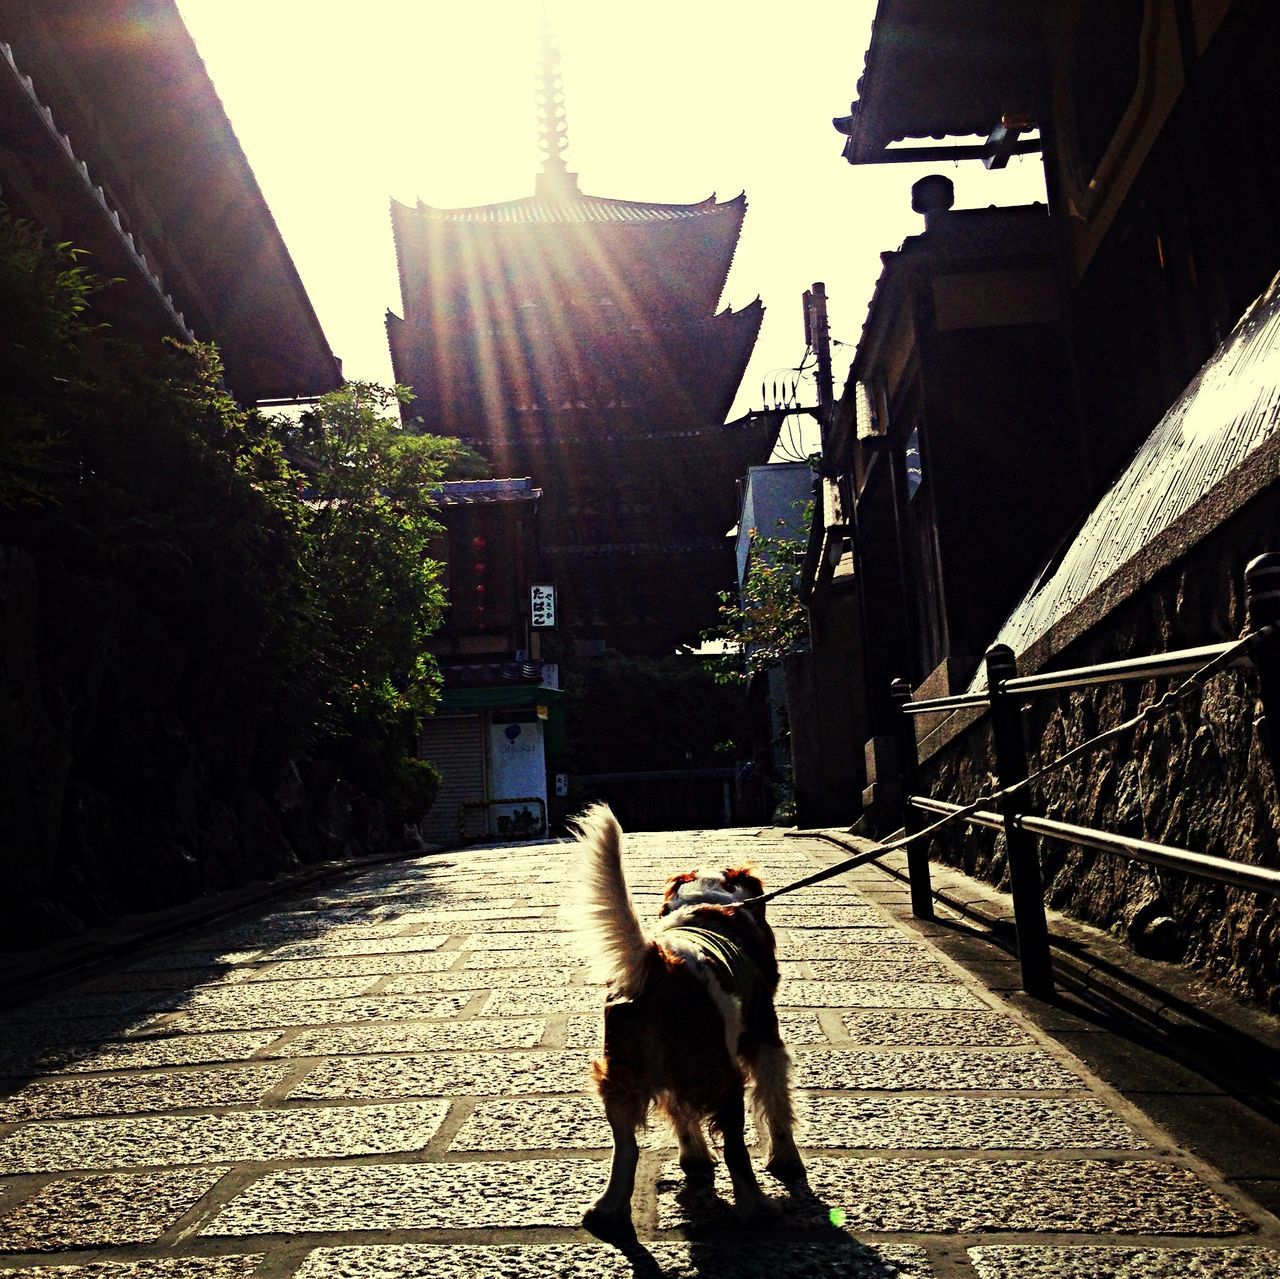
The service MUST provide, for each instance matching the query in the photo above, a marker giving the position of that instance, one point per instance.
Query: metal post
(1024, 860)
(1262, 594)
(908, 776)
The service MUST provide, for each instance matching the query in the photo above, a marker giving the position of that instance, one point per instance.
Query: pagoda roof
(452, 374)
(573, 206)
(684, 251)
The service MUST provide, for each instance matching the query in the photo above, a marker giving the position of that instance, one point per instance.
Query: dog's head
(728, 887)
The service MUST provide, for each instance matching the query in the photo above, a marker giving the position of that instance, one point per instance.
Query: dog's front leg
(610, 1216)
(749, 1202)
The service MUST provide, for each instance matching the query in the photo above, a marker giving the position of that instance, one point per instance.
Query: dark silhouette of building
(1058, 432)
(575, 339)
(112, 137)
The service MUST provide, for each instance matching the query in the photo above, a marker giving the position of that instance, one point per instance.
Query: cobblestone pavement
(390, 1078)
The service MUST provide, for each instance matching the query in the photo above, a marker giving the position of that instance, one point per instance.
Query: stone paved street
(390, 1077)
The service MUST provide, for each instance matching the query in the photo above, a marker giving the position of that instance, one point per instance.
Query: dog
(688, 1019)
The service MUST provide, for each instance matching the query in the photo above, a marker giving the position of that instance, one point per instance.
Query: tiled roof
(473, 492)
(579, 208)
(1214, 430)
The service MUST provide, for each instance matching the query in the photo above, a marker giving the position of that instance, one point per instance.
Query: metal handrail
(1221, 869)
(1004, 699)
(1180, 662)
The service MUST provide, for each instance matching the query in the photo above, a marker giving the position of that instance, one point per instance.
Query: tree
(764, 619)
(368, 513)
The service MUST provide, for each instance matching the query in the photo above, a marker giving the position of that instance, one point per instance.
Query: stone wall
(122, 788)
(1198, 779)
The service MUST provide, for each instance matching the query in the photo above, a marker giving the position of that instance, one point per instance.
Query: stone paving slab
(530, 1003)
(965, 1196)
(876, 994)
(872, 971)
(104, 1004)
(962, 1123)
(319, 1012)
(100, 1212)
(849, 1123)
(238, 1267)
(419, 1196)
(515, 941)
(478, 979)
(149, 979)
(426, 961)
(869, 970)
(518, 958)
(171, 1050)
(843, 1259)
(46, 1036)
(132, 1095)
(264, 1135)
(239, 995)
(797, 1026)
(835, 943)
(456, 1036)
(447, 1075)
(854, 915)
(359, 946)
(192, 959)
(954, 1027)
(456, 1097)
(1030, 1261)
(930, 1069)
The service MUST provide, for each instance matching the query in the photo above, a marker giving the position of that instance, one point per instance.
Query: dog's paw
(609, 1227)
(699, 1172)
(787, 1168)
(756, 1211)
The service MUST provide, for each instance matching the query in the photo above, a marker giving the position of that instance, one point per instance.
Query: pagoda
(576, 340)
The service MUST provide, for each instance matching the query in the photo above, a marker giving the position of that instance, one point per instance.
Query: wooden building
(1014, 359)
(112, 137)
(497, 736)
(576, 339)
(1058, 430)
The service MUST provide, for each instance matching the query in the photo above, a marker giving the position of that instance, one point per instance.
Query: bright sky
(340, 107)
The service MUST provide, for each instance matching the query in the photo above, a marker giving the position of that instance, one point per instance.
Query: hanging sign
(542, 603)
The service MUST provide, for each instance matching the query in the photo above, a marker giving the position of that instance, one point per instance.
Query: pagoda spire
(554, 181)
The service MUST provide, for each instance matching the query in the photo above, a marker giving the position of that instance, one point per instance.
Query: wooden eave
(946, 68)
(145, 121)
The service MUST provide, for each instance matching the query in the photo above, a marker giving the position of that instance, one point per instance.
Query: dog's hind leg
(771, 1069)
(609, 1217)
(696, 1161)
(749, 1202)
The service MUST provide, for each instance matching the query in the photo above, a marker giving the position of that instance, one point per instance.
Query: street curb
(1229, 1043)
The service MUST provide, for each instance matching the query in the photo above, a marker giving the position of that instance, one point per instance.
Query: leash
(1164, 703)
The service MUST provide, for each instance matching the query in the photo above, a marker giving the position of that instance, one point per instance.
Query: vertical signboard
(542, 602)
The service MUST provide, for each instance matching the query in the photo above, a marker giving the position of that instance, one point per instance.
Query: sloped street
(389, 1077)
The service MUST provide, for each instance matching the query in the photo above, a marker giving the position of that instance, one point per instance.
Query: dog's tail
(610, 935)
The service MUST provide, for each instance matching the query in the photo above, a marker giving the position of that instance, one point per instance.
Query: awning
(488, 698)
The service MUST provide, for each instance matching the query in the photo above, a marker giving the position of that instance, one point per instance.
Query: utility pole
(818, 336)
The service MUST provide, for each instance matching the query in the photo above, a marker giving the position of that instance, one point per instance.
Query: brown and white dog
(688, 1019)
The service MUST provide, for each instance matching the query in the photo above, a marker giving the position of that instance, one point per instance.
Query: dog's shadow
(717, 1244)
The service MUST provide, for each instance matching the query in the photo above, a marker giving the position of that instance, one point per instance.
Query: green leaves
(285, 559)
(765, 620)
